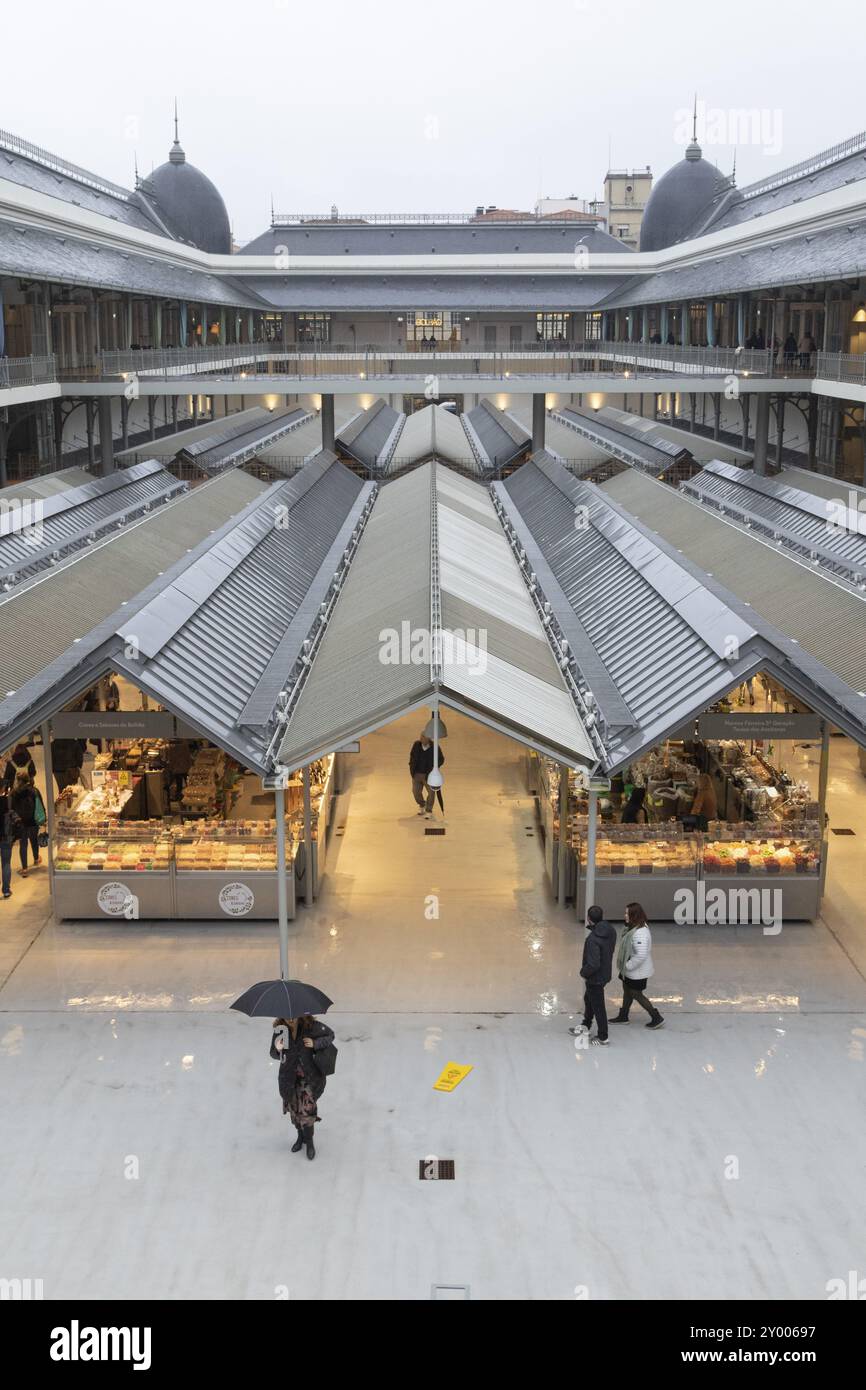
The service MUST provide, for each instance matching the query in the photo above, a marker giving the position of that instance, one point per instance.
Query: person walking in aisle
(9, 831)
(596, 972)
(19, 761)
(25, 798)
(420, 767)
(294, 1045)
(634, 965)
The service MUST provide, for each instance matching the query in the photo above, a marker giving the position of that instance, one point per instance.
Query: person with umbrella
(294, 1044)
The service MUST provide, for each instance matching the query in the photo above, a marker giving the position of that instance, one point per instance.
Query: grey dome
(679, 199)
(189, 203)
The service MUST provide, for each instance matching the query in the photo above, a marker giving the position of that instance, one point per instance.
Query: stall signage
(115, 900)
(236, 899)
(760, 724)
(113, 724)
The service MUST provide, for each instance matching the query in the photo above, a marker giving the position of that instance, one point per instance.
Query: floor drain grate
(843, 832)
(433, 830)
(436, 1169)
(444, 1292)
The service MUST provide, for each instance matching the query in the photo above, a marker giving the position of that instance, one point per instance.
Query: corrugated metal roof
(43, 619)
(641, 447)
(236, 443)
(827, 531)
(168, 445)
(204, 642)
(560, 441)
(32, 538)
(46, 484)
(826, 619)
(432, 432)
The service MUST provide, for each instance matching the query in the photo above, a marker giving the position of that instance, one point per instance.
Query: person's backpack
(325, 1059)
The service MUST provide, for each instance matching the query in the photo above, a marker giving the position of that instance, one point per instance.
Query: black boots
(306, 1137)
(299, 1142)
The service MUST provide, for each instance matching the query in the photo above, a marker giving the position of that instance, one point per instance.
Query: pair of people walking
(634, 964)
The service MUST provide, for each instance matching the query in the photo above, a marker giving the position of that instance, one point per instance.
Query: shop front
(714, 810)
(153, 822)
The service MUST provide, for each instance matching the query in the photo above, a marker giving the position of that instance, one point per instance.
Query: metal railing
(27, 371)
(842, 366)
(425, 219)
(381, 361)
(806, 166)
(15, 145)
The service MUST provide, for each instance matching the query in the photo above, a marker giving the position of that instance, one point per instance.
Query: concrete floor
(609, 1173)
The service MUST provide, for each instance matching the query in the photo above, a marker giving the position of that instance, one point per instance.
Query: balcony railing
(261, 360)
(27, 371)
(842, 366)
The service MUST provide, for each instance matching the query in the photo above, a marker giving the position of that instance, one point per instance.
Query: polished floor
(144, 1153)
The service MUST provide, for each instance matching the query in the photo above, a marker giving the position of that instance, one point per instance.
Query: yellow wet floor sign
(452, 1074)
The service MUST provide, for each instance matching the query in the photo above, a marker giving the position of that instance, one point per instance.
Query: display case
(229, 869)
(153, 870)
(640, 863)
(112, 870)
(785, 856)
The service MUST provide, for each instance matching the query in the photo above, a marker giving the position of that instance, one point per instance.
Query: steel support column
(328, 439)
(762, 434)
(538, 421)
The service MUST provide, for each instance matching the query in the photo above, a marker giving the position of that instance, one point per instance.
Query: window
(553, 327)
(441, 325)
(313, 328)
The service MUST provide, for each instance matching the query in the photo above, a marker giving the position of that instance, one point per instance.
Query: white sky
(403, 106)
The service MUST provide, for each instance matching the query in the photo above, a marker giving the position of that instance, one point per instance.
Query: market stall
(757, 824)
(165, 832)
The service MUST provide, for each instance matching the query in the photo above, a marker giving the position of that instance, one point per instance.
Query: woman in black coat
(294, 1044)
(23, 802)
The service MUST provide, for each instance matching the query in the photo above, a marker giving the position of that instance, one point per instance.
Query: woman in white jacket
(634, 963)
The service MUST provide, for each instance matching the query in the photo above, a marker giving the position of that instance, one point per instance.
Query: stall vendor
(705, 806)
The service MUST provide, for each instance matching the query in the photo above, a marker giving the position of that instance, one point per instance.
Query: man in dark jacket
(67, 759)
(596, 971)
(420, 767)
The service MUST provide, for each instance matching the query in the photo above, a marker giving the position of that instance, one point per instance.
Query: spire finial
(176, 154)
(734, 170)
(695, 121)
(135, 165)
(272, 209)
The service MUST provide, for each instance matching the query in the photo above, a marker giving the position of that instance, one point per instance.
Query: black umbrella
(282, 999)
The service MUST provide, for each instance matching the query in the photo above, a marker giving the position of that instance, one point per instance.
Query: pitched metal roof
(337, 239)
(203, 643)
(46, 484)
(650, 643)
(238, 443)
(57, 611)
(434, 558)
(35, 537)
(432, 432)
(372, 436)
(827, 531)
(498, 438)
(169, 445)
(827, 620)
(641, 447)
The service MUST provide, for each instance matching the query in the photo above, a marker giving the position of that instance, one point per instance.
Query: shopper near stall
(178, 761)
(596, 971)
(295, 1044)
(67, 760)
(25, 803)
(420, 767)
(634, 808)
(705, 806)
(9, 832)
(19, 761)
(634, 966)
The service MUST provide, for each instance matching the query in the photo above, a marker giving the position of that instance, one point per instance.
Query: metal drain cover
(434, 830)
(444, 1292)
(843, 832)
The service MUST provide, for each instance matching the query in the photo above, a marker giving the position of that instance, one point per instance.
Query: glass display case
(793, 848)
(158, 870)
(640, 863)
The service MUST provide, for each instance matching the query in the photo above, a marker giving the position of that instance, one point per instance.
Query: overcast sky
(401, 106)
